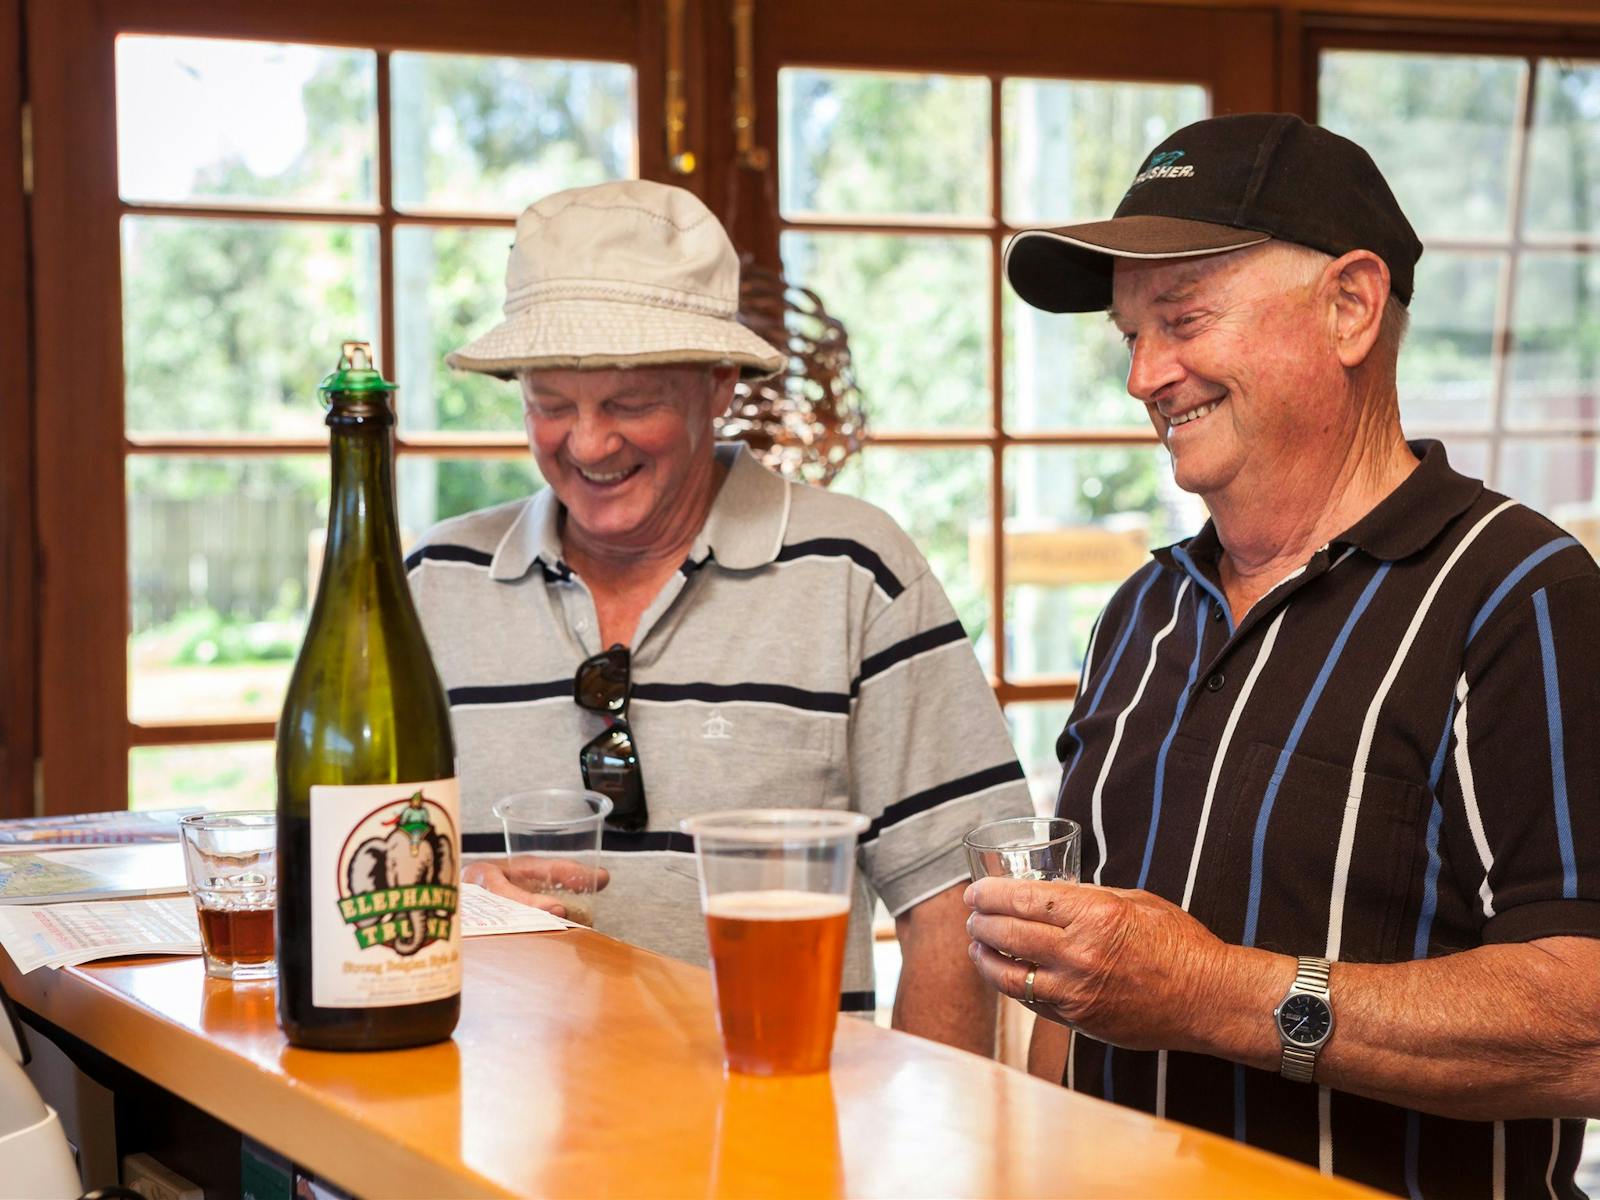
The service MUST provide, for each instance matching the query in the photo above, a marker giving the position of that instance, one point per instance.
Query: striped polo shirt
(803, 656)
(1391, 757)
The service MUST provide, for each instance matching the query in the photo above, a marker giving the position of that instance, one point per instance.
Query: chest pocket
(1295, 880)
(701, 758)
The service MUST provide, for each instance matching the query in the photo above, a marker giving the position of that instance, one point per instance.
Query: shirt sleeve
(1520, 792)
(929, 754)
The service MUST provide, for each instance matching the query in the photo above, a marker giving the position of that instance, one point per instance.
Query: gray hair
(1300, 266)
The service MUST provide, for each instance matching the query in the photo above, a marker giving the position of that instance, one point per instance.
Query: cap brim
(594, 334)
(1069, 269)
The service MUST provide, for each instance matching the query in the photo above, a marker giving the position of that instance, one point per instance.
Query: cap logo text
(1164, 165)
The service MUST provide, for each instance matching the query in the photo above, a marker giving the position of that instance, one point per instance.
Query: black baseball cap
(1218, 185)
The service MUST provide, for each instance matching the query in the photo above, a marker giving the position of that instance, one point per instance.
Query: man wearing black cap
(1334, 755)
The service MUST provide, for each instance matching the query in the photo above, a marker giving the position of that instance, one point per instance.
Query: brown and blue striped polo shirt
(1392, 757)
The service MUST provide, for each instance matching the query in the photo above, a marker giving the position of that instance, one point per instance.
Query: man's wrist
(1232, 1018)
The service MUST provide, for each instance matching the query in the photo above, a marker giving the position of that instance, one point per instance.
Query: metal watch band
(1313, 975)
(1298, 1063)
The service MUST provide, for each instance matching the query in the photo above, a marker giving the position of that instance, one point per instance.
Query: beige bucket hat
(621, 274)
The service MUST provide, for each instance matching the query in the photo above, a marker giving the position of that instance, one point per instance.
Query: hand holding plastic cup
(775, 885)
(1025, 848)
(231, 863)
(553, 847)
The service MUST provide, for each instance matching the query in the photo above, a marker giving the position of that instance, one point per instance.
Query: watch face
(1304, 1020)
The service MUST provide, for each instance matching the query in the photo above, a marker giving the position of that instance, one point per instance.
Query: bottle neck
(361, 512)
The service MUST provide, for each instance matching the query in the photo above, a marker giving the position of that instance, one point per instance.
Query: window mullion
(997, 357)
(386, 319)
(1506, 316)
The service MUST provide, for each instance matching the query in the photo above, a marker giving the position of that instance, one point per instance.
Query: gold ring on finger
(1027, 984)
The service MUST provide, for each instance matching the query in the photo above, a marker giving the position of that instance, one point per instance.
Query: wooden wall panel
(1082, 39)
(552, 28)
(78, 411)
(17, 634)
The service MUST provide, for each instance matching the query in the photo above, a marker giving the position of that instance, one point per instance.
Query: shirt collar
(1403, 523)
(744, 529)
(1409, 518)
(534, 537)
(749, 517)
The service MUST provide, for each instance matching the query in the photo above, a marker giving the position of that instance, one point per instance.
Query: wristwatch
(1304, 1018)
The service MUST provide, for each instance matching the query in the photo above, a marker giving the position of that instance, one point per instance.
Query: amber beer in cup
(775, 885)
(231, 863)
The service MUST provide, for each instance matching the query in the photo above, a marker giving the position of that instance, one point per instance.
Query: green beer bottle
(369, 841)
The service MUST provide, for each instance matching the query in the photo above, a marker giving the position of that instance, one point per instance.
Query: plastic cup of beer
(553, 845)
(231, 862)
(775, 885)
(1025, 848)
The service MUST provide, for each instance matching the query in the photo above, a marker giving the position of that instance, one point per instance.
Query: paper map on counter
(64, 935)
(104, 873)
(103, 828)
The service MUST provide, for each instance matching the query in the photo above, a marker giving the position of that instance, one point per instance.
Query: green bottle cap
(357, 374)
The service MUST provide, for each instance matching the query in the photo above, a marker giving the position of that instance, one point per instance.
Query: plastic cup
(775, 885)
(553, 845)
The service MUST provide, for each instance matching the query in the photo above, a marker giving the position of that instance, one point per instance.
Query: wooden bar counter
(585, 1067)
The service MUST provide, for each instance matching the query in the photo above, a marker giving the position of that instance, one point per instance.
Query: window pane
(449, 285)
(917, 312)
(1556, 478)
(854, 143)
(1064, 370)
(1555, 357)
(225, 776)
(1447, 364)
(221, 553)
(475, 134)
(939, 497)
(1563, 192)
(431, 489)
(1071, 147)
(1034, 730)
(241, 122)
(1079, 522)
(228, 326)
(1441, 127)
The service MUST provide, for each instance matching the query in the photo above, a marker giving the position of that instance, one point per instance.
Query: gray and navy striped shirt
(803, 656)
(1392, 757)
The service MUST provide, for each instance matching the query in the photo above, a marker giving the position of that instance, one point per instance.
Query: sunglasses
(610, 760)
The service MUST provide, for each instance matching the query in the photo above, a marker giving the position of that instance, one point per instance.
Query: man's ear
(722, 383)
(1361, 280)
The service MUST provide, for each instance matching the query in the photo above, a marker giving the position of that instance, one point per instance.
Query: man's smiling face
(1233, 365)
(619, 446)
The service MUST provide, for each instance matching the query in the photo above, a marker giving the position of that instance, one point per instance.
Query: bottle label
(384, 862)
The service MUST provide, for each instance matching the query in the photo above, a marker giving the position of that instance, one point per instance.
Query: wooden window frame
(63, 538)
(84, 728)
(1221, 49)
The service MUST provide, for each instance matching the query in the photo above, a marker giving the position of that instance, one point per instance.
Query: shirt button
(1214, 684)
(1216, 612)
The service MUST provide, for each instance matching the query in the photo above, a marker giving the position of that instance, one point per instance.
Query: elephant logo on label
(397, 876)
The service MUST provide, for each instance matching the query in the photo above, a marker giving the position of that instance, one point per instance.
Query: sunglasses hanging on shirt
(610, 760)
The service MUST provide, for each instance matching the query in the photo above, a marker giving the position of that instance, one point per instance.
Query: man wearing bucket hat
(1334, 754)
(671, 624)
